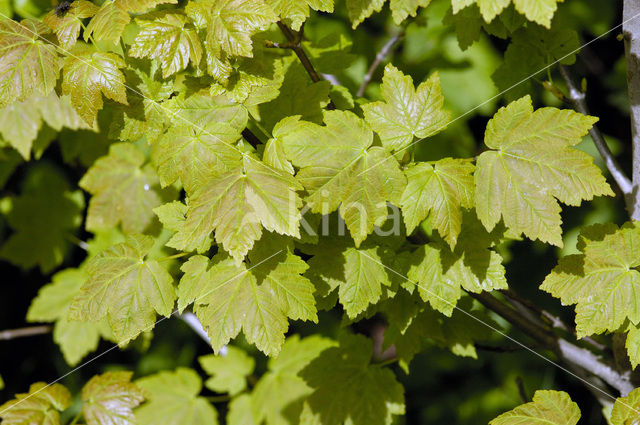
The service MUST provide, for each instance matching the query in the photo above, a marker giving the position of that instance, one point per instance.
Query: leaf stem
(76, 418)
(380, 57)
(174, 256)
(23, 332)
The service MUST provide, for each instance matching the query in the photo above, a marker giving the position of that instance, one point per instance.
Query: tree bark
(631, 30)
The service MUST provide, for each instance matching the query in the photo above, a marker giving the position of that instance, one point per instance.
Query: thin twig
(579, 101)
(631, 31)
(193, 322)
(380, 57)
(521, 390)
(23, 332)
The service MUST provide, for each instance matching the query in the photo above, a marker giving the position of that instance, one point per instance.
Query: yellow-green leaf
(108, 23)
(340, 169)
(41, 405)
(532, 163)
(547, 408)
(123, 190)
(67, 26)
(438, 192)
(297, 11)
(406, 112)
(29, 62)
(88, 75)
(125, 288)
(359, 10)
(173, 399)
(603, 282)
(229, 370)
(109, 399)
(401, 9)
(165, 36)
(625, 409)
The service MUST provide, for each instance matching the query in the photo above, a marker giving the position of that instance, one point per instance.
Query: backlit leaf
(125, 288)
(547, 408)
(109, 399)
(108, 23)
(359, 10)
(40, 406)
(67, 27)
(625, 409)
(525, 143)
(228, 370)
(297, 11)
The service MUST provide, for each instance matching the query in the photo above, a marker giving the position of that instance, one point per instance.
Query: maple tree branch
(295, 39)
(631, 32)
(578, 98)
(521, 390)
(192, 321)
(23, 332)
(380, 57)
(568, 352)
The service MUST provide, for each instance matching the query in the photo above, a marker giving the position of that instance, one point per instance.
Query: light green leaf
(632, 345)
(41, 405)
(29, 62)
(109, 399)
(488, 8)
(539, 11)
(239, 203)
(228, 370)
(278, 397)
(108, 23)
(123, 190)
(525, 144)
(297, 11)
(547, 408)
(165, 36)
(401, 9)
(240, 411)
(359, 10)
(231, 23)
(625, 409)
(67, 26)
(44, 217)
(273, 154)
(406, 112)
(358, 273)
(192, 154)
(367, 394)
(340, 169)
(88, 75)
(76, 339)
(141, 6)
(172, 217)
(125, 288)
(438, 193)
(603, 282)
(172, 399)
(441, 274)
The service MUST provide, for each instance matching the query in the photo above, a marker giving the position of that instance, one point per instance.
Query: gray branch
(631, 30)
(579, 101)
(380, 57)
(193, 322)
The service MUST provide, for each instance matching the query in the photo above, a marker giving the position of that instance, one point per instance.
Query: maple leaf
(108, 23)
(528, 143)
(76, 339)
(122, 190)
(297, 11)
(140, 6)
(44, 217)
(229, 297)
(67, 27)
(279, 394)
(88, 75)
(231, 23)
(29, 62)
(539, 11)
(358, 273)
(401, 9)
(489, 9)
(239, 203)
(367, 394)
(165, 36)
(603, 281)
(109, 399)
(441, 274)
(359, 10)
(625, 409)
(41, 405)
(340, 169)
(191, 153)
(125, 288)
(406, 112)
(438, 192)
(547, 407)
(228, 370)
(172, 398)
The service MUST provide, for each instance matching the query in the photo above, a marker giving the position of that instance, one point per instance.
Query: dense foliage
(330, 193)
